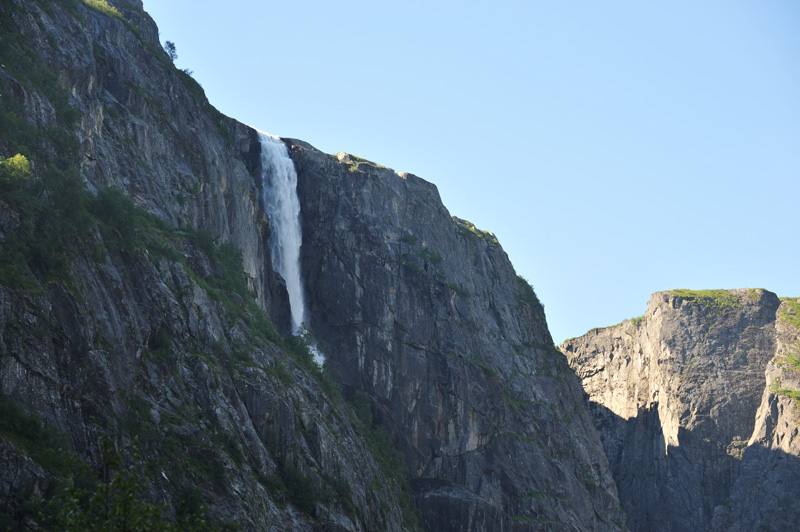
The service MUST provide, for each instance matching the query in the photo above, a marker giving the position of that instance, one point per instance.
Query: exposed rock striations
(426, 314)
(151, 335)
(765, 495)
(674, 395)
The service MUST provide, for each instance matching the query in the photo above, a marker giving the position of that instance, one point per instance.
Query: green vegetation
(53, 214)
(161, 347)
(712, 299)
(790, 313)
(101, 6)
(45, 446)
(468, 228)
(528, 298)
(391, 461)
(111, 501)
(189, 458)
(755, 294)
(409, 239)
(302, 491)
(14, 172)
(355, 162)
(776, 387)
(59, 219)
(83, 500)
(172, 50)
(478, 360)
(42, 182)
(791, 360)
(119, 218)
(634, 321)
(432, 256)
(300, 487)
(280, 372)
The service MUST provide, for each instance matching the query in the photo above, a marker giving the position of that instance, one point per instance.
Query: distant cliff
(143, 332)
(694, 438)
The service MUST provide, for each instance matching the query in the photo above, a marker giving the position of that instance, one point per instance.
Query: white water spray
(279, 197)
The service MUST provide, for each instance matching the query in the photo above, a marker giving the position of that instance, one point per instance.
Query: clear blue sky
(616, 148)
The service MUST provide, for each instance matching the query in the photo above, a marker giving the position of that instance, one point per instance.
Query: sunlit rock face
(674, 395)
(425, 313)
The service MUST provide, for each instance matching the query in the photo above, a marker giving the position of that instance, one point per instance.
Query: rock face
(425, 313)
(138, 328)
(764, 496)
(128, 317)
(675, 395)
(146, 342)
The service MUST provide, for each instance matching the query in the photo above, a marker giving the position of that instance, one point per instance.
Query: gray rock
(426, 314)
(675, 394)
(765, 495)
(219, 408)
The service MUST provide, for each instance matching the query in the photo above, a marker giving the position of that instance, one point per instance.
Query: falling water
(279, 196)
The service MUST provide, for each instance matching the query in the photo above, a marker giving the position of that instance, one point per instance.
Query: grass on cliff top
(468, 228)
(713, 299)
(355, 162)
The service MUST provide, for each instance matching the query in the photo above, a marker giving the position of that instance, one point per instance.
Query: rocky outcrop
(674, 395)
(425, 313)
(764, 496)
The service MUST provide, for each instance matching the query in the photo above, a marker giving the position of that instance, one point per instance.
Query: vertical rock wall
(766, 493)
(145, 341)
(674, 395)
(425, 313)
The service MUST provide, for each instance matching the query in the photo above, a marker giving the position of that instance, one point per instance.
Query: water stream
(280, 201)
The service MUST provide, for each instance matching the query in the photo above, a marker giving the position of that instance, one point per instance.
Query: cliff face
(125, 317)
(426, 314)
(764, 496)
(675, 395)
(150, 335)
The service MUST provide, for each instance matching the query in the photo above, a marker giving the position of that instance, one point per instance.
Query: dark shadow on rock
(766, 495)
(665, 487)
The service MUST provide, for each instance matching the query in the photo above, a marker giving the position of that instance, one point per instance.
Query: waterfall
(279, 197)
